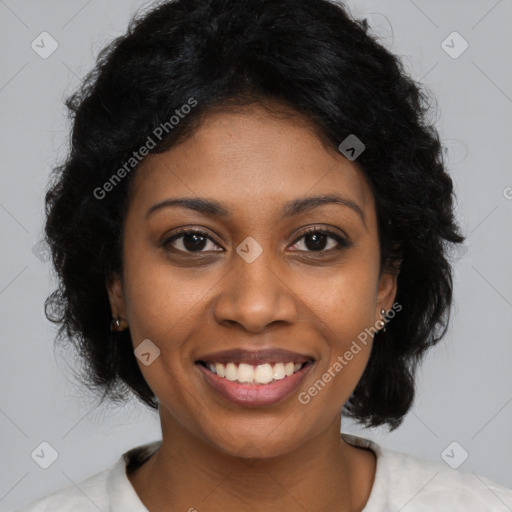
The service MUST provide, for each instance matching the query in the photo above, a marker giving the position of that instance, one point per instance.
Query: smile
(254, 374)
(254, 385)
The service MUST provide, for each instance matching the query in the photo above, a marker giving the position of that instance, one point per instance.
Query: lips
(254, 395)
(270, 382)
(254, 357)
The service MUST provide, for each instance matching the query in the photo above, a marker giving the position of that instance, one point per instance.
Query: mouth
(255, 375)
(254, 379)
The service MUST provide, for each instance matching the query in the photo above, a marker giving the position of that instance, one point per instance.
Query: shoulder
(108, 490)
(410, 484)
(419, 485)
(87, 496)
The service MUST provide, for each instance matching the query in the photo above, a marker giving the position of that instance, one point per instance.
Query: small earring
(115, 324)
(383, 314)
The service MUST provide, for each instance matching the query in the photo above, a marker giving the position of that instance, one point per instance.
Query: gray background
(465, 385)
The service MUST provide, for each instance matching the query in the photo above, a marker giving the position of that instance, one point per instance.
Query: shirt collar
(122, 495)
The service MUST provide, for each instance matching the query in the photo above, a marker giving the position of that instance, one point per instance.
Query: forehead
(251, 156)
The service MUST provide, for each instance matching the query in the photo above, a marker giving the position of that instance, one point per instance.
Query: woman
(251, 232)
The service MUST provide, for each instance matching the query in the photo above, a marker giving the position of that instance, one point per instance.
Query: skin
(287, 456)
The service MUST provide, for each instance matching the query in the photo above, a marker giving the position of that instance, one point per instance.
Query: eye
(317, 239)
(189, 240)
(195, 241)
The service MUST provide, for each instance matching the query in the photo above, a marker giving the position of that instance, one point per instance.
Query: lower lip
(255, 395)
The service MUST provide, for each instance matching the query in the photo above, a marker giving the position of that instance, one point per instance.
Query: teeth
(231, 372)
(219, 369)
(278, 371)
(249, 374)
(245, 372)
(263, 374)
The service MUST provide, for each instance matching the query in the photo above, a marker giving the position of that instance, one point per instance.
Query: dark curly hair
(311, 55)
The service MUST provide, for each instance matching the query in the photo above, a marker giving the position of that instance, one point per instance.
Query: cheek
(344, 299)
(161, 299)
(344, 312)
(160, 306)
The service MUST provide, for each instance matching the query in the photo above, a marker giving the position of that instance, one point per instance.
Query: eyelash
(343, 243)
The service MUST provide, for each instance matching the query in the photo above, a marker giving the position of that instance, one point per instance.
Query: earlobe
(114, 287)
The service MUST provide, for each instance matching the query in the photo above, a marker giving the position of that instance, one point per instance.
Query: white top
(402, 483)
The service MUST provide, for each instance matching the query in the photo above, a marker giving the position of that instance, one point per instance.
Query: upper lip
(255, 357)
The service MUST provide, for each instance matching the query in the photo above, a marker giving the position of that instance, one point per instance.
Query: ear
(116, 298)
(386, 292)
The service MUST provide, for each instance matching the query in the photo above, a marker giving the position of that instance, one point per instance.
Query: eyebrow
(289, 209)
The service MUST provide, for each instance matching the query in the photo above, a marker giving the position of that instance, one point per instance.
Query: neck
(188, 473)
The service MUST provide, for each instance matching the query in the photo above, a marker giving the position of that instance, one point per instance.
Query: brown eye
(317, 240)
(189, 240)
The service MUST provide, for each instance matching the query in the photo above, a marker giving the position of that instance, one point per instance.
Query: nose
(255, 295)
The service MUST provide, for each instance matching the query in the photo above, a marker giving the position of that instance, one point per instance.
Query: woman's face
(256, 282)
